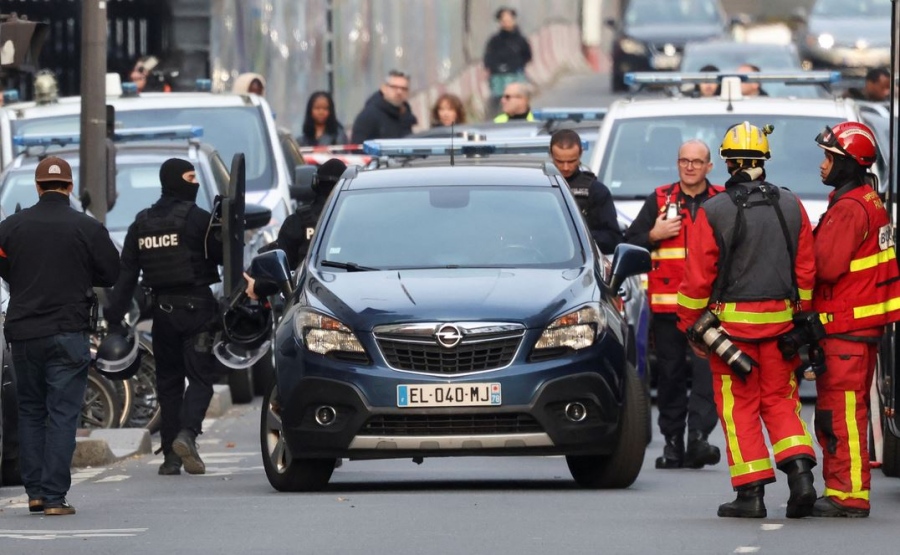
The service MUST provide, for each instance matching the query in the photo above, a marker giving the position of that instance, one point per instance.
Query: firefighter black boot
(699, 452)
(673, 452)
(749, 503)
(803, 493)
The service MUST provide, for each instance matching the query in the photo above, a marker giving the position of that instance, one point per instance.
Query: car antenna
(452, 133)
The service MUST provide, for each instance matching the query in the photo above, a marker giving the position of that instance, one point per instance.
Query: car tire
(241, 384)
(890, 456)
(10, 475)
(620, 469)
(284, 471)
(264, 372)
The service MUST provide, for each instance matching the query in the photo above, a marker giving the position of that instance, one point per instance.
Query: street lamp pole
(92, 148)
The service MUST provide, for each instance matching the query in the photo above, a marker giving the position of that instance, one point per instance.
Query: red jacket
(763, 319)
(858, 281)
(668, 257)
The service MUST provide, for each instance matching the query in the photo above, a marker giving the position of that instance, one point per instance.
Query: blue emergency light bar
(177, 132)
(788, 77)
(446, 146)
(10, 96)
(203, 85)
(570, 114)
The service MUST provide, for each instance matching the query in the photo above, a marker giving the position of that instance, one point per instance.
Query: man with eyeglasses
(387, 114)
(662, 227)
(516, 103)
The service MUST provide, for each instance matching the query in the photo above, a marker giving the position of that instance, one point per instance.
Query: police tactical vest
(761, 265)
(868, 295)
(580, 188)
(668, 257)
(165, 258)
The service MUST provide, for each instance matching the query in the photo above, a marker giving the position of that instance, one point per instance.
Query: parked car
(850, 35)
(452, 310)
(652, 33)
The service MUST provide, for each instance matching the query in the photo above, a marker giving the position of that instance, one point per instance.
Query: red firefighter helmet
(852, 139)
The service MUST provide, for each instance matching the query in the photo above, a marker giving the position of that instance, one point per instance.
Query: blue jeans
(51, 377)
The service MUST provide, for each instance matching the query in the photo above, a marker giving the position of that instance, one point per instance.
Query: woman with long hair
(320, 126)
(448, 109)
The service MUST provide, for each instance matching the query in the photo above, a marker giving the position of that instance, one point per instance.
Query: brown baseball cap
(52, 168)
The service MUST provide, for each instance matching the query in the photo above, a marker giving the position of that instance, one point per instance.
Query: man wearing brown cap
(51, 256)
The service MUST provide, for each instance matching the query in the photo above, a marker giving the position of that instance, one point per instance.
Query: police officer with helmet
(171, 243)
(51, 256)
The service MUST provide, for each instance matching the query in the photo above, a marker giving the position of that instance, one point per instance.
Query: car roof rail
(570, 114)
(446, 146)
(641, 79)
(163, 133)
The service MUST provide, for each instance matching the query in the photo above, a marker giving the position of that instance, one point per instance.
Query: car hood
(677, 35)
(534, 297)
(875, 31)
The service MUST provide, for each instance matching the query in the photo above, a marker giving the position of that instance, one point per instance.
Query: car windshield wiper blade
(349, 266)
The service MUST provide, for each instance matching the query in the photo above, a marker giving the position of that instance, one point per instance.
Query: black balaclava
(328, 175)
(173, 184)
(844, 170)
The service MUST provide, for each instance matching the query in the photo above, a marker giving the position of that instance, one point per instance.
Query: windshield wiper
(349, 266)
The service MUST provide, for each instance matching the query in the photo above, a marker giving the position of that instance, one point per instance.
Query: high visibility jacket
(668, 257)
(859, 281)
(504, 118)
(748, 311)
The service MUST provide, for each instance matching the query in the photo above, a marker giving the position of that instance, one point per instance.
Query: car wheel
(284, 471)
(621, 468)
(241, 384)
(102, 407)
(890, 456)
(264, 372)
(11, 475)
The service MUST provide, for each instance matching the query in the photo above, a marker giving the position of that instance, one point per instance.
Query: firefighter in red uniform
(749, 268)
(662, 227)
(857, 292)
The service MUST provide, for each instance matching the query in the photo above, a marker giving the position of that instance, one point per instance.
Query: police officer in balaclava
(170, 244)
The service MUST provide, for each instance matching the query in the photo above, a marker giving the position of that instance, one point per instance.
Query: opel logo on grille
(448, 336)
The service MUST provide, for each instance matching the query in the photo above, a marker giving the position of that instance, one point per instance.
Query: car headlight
(825, 40)
(321, 334)
(633, 47)
(575, 330)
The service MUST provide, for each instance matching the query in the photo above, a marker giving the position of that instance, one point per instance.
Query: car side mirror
(628, 260)
(304, 177)
(256, 216)
(272, 267)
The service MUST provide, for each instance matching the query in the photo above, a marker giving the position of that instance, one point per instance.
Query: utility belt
(191, 303)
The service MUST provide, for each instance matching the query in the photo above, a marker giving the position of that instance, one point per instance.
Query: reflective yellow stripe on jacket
(730, 313)
(669, 254)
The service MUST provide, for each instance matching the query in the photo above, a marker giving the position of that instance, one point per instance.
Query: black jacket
(326, 139)
(380, 119)
(51, 257)
(296, 232)
(507, 52)
(196, 237)
(599, 211)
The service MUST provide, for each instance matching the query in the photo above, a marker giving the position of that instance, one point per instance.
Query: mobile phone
(672, 211)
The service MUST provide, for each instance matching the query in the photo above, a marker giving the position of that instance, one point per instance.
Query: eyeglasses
(508, 96)
(688, 163)
(398, 87)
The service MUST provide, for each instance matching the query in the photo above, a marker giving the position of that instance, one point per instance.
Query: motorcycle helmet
(852, 139)
(746, 142)
(247, 327)
(118, 356)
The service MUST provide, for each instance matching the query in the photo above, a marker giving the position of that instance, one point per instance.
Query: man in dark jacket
(593, 197)
(387, 114)
(52, 256)
(505, 55)
(171, 244)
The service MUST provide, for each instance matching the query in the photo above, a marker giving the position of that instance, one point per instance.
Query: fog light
(325, 415)
(576, 412)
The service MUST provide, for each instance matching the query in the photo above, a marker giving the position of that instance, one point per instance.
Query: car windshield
(457, 226)
(641, 152)
(669, 12)
(137, 186)
(228, 129)
(853, 8)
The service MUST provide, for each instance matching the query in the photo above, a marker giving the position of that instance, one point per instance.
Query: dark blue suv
(455, 310)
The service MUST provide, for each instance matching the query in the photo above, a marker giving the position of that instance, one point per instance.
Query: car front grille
(480, 347)
(450, 424)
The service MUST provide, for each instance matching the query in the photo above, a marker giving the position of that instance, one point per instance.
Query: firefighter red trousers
(842, 420)
(768, 396)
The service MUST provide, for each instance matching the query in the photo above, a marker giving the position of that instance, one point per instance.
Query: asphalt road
(452, 506)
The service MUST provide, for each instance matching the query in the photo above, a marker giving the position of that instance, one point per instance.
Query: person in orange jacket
(749, 267)
(857, 293)
(662, 226)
